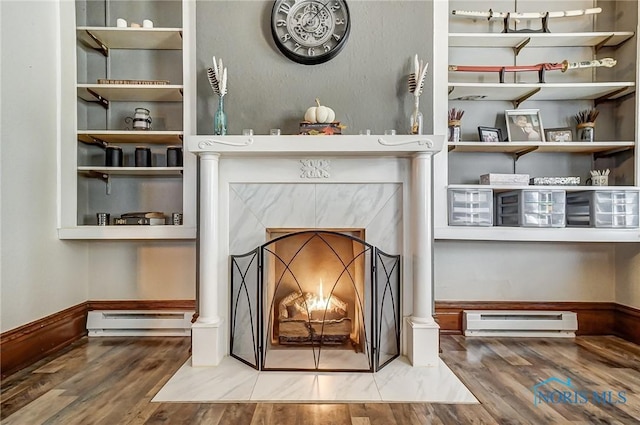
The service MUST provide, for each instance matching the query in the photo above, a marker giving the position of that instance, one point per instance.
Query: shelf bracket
(521, 45)
(104, 102)
(602, 43)
(607, 97)
(523, 152)
(518, 101)
(107, 180)
(90, 140)
(598, 155)
(102, 48)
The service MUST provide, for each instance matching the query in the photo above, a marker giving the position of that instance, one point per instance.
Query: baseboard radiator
(519, 323)
(139, 323)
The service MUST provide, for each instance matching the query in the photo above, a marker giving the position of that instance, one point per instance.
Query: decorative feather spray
(218, 77)
(416, 85)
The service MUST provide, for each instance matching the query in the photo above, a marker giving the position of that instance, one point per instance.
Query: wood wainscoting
(27, 344)
(594, 318)
(627, 323)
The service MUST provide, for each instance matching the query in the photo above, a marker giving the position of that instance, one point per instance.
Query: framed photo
(564, 134)
(524, 125)
(490, 134)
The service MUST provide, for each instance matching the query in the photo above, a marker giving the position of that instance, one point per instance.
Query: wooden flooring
(111, 381)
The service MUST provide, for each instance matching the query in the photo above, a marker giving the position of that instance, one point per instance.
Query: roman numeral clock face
(310, 31)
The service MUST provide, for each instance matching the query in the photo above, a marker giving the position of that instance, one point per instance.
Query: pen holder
(600, 180)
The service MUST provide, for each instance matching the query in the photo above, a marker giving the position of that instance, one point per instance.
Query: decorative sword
(541, 67)
(507, 16)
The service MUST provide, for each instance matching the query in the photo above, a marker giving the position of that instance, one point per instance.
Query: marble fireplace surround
(382, 184)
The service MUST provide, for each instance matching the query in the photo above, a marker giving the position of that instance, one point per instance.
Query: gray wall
(366, 84)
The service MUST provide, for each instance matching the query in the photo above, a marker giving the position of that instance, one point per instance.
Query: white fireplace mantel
(403, 145)
(209, 344)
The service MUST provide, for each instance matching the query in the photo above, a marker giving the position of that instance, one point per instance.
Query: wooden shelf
(130, 92)
(127, 232)
(528, 234)
(504, 188)
(514, 40)
(126, 136)
(544, 147)
(519, 92)
(131, 38)
(131, 171)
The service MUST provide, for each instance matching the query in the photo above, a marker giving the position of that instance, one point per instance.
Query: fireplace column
(207, 334)
(422, 335)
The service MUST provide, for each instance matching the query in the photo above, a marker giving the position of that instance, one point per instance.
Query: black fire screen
(315, 300)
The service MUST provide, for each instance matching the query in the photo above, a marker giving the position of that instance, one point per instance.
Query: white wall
(518, 271)
(40, 274)
(628, 275)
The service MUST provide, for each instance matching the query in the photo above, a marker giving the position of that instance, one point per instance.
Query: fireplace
(257, 189)
(315, 300)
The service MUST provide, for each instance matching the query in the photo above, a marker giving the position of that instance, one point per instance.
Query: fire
(317, 301)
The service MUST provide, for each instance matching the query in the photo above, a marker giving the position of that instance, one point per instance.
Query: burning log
(309, 318)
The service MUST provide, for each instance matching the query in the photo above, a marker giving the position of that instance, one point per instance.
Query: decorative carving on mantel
(213, 142)
(420, 142)
(315, 168)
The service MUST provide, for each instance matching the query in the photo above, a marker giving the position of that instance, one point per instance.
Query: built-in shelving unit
(478, 42)
(120, 69)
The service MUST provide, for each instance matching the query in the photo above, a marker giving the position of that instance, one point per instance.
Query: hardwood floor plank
(40, 409)
(237, 414)
(113, 380)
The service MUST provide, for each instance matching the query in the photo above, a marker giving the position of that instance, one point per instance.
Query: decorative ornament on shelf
(218, 81)
(455, 116)
(416, 85)
(586, 124)
(320, 120)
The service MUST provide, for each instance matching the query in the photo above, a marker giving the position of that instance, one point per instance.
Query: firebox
(315, 300)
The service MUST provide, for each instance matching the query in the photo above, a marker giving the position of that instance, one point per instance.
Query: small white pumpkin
(321, 114)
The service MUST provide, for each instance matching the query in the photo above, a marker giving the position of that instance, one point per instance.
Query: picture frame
(490, 134)
(560, 134)
(524, 125)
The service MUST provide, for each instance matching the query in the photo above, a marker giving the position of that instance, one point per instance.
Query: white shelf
(513, 40)
(504, 188)
(122, 232)
(128, 136)
(565, 234)
(132, 171)
(538, 91)
(132, 38)
(131, 92)
(522, 147)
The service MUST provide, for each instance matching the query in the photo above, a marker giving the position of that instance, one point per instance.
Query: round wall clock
(310, 31)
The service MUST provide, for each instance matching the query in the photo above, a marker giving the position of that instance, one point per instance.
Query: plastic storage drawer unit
(603, 208)
(470, 207)
(531, 208)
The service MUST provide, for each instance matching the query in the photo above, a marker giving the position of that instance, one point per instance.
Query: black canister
(174, 156)
(143, 156)
(113, 156)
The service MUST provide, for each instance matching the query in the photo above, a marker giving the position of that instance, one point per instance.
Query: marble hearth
(381, 184)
